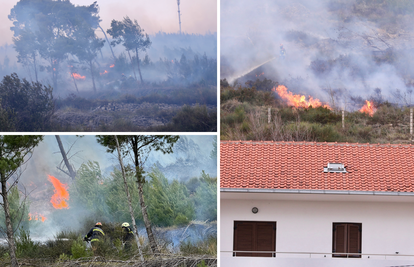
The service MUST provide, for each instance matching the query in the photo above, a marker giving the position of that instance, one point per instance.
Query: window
(346, 239)
(254, 236)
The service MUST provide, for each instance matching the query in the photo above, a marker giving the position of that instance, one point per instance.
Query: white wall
(306, 226)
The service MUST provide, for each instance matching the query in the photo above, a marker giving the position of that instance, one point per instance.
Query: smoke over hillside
(334, 49)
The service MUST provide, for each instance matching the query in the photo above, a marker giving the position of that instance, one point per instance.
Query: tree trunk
(93, 77)
(139, 69)
(9, 226)
(34, 63)
(108, 42)
(151, 239)
(76, 86)
(132, 63)
(131, 212)
(140, 181)
(72, 173)
(54, 74)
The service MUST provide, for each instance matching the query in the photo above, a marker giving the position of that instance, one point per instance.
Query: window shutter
(339, 239)
(243, 238)
(265, 233)
(354, 239)
(346, 238)
(254, 236)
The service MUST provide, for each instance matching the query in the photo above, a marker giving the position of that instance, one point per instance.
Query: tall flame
(298, 100)
(368, 108)
(37, 217)
(58, 200)
(78, 76)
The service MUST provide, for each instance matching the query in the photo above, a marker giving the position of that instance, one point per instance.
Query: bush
(78, 249)
(194, 119)
(25, 106)
(25, 246)
(205, 247)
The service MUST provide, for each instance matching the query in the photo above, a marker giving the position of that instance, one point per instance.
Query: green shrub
(78, 249)
(206, 247)
(24, 245)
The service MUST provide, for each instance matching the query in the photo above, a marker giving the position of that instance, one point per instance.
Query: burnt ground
(112, 115)
(150, 110)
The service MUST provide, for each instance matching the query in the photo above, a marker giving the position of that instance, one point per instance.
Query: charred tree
(71, 173)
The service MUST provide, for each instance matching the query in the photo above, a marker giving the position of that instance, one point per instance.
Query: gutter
(327, 192)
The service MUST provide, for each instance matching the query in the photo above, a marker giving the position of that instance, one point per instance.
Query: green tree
(116, 198)
(168, 203)
(206, 198)
(14, 152)
(132, 37)
(25, 106)
(90, 190)
(19, 209)
(213, 153)
(139, 148)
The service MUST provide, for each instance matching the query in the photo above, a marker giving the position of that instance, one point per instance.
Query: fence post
(269, 115)
(411, 124)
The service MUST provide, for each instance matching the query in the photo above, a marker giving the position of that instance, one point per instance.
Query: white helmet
(125, 224)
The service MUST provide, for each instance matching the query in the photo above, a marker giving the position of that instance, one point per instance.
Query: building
(316, 204)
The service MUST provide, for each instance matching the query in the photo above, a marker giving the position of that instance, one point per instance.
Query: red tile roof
(300, 165)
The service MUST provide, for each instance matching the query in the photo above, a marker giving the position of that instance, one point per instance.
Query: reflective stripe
(95, 239)
(99, 230)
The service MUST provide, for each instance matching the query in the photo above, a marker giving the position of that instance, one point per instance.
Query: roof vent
(335, 167)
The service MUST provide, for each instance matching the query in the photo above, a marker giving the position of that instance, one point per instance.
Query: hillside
(333, 53)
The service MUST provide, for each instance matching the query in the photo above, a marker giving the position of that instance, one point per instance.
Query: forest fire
(77, 76)
(368, 108)
(37, 217)
(61, 195)
(260, 74)
(298, 100)
(105, 72)
(113, 65)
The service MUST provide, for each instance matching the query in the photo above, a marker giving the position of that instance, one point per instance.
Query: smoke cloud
(334, 48)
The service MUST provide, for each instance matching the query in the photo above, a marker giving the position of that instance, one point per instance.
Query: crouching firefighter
(95, 235)
(127, 236)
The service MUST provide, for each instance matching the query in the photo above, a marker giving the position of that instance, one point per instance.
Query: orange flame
(298, 100)
(37, 217)
(368, 108)
(78, 76)
(58, 200)
(105, 72)
(260, 74)
(113, 65)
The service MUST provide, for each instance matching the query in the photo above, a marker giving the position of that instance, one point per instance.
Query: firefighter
(127, 236)
(282, 52)
(95, 235)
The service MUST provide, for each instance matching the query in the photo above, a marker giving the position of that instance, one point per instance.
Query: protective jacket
(128, 234)
(95, 234)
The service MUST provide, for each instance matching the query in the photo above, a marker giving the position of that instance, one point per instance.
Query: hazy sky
(197, 16)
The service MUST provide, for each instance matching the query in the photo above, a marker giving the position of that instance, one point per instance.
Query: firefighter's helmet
(125, 224)
(99, 224)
